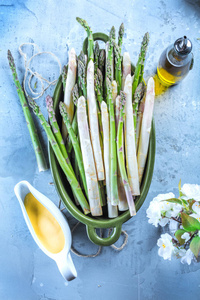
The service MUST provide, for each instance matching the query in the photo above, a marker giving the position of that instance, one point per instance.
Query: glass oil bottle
(175, 62)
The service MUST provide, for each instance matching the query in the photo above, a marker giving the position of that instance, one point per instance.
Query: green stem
(41, 162)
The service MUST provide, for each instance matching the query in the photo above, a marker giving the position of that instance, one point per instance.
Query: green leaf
(174, 200)
(178, 235)
(195, 245)
(189, 223)
(191, 202)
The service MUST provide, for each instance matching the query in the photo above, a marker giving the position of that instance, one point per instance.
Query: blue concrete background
(137, 272)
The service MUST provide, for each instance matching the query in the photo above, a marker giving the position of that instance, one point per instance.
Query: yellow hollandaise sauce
(44, 224)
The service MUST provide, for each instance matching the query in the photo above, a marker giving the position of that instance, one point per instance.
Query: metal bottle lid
(183, 45)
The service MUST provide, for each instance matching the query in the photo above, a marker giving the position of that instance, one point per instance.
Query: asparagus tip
(122, 100)
(75, 94)
(33, 105)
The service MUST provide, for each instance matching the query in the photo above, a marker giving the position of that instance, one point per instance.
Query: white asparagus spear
(131, 159)
(70, 82)
(112, 210)
(123, 205)
(114, 90)
(139, 121)
(126, 67)
(93, 121)
(88, 159)
(146, 127)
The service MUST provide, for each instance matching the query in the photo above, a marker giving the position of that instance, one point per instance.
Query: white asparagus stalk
(123, 205)
(146, 127)
(112, 210)
(131, 159)
(88, 159)
(70, 82)
(93, 121)
(126, 67)
(139, 121)
(114, 90)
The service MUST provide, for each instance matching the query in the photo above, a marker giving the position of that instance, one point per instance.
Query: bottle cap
(183, 45)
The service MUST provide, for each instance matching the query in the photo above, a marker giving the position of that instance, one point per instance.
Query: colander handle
(96, 239)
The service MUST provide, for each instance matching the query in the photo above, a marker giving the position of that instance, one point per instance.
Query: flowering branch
(182, 215)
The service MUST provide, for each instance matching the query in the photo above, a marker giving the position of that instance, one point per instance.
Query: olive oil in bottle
(175, 62)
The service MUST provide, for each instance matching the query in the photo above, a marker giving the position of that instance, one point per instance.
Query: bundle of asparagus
(106, 124)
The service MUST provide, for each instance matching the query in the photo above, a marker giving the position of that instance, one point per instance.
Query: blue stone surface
(137, 272)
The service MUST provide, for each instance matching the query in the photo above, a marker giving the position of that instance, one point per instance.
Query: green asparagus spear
(75, 97)
(118, 67)
(139, 93)
(56, 130)
(113, 152)
(121, 157)
(64, 77)
(138, 76)
(96, 56)
(90, 38)
(98, 86)
(62, 162)
(110, 51)
(120, 37)
(102, 61)
(41, 162)
(75, 144)
(82, 78)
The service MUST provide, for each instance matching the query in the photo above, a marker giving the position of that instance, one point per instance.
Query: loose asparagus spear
(88, 158)
(93, 121)
(101, 64)
(113, 151)
(41, 162)
(112, 210)
(146, 127)
(96, 56)
(56, 130)
(139, 93)
(140, 63)
(75, 97)
(120, 37)
(118, 67)
(123, 205)
(75, 144)
(90, 38)
(70, 82)
(131, 160)
(126, 67)
(121, 158)
(62, 162)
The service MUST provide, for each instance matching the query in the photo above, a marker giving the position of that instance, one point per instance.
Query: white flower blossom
(159, 211)
(196, 207)
(179, 252)
(173, 226)
(196, 216)
(191, 191)
(185, 236)
(188, 257)
(166, 247)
